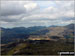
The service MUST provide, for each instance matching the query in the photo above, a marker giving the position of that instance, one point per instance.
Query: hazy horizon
(36, 26)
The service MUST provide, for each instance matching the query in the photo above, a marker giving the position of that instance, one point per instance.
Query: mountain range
(45, 40)
(53, 32)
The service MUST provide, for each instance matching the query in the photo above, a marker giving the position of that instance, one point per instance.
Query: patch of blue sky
(46, 4)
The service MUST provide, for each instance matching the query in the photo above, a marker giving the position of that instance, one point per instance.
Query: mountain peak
(70, 26)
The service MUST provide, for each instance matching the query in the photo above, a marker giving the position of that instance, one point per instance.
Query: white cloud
(42, 17)
(67, 22)
(12, 11)
(30, 6)
(69, 13)
(31, 13)
(16, 7)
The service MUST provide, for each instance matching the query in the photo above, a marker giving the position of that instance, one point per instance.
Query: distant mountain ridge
(56, 33)
(9, 34)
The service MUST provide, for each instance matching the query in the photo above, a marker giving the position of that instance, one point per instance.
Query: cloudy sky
(36, 13)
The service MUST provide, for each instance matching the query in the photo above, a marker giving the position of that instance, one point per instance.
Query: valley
(45, 40)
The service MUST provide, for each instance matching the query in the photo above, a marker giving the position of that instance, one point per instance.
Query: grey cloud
(16, 9)
(10, 18)
(11, 8)
(35, 17)
(67, 18)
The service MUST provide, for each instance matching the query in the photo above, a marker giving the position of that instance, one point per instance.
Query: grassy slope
(17, 48)
(46, 48)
